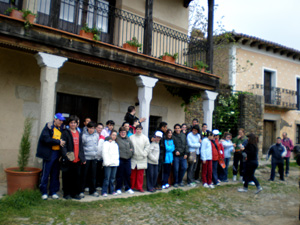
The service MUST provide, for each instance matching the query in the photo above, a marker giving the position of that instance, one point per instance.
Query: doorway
(80, 106)
(269, 135)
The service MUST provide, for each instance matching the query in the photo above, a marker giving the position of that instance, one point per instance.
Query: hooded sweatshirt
(90, 145)
(110, 154)
(193, 141)
(124, 147)
(170, 147)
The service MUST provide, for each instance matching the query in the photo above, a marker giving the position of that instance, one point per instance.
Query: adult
(206, 156)
(126, 151)
(216, 155)
(193, 142)
(228, 150)
(72, 158)
(288, 144)
(250, 153)
(49, 149)
(109, 127)
(110, 163)
(85, 123)
(141, 146)
(180, 155)
(198, 162)
(127, 127)
(90, 147)
(278, 152)
(203, 130)
(153, 157)
(184, 128)
(238, 157)
(168, 159)
(130, 116)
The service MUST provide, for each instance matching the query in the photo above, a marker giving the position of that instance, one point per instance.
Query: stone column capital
(209, 95)
(53, 61)
(144, 81)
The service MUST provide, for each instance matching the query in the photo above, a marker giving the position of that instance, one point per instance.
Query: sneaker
(205, 185)
(242, 190)
(68, 197)
(141, 190)
(114, 193)
(252, 183)
(259, 189)
(81, 195)
(45, 197)
(175, 185)
(234, 178)
(164, 187)
(197, 182)
(104, 195)
(211, 186)
(191, 185)
(241, 178)
(181, 184)
(119, 192)
(98, 188)
(129, 191)
(77, 197)
(95, 194)
(218, 184)
(167, 185)
(86, 189)
(55, 196)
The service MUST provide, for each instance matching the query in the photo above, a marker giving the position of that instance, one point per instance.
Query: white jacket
(100, 149)
(110, 154)
(141, 149)
(206, 149)
(153, 155)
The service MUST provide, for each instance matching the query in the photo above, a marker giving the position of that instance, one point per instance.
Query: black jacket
(180, 144)
(277, 151)
(251, 152)
(69, 146)
(130, 118)
(44, 148)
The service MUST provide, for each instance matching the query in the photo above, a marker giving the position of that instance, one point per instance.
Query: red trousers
(207, 172)
(137, 179)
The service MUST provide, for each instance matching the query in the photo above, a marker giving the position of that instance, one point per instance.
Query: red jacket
(221, 148)
(215, 151)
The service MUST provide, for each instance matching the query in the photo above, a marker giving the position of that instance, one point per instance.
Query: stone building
(47, 67)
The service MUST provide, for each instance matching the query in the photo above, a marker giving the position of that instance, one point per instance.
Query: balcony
(275, 96)
(117, 26)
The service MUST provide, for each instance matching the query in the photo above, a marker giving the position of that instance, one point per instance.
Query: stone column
(49, 74)
(208, 107)
(145, 85)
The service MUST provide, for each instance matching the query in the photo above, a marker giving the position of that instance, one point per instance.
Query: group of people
(100, 158)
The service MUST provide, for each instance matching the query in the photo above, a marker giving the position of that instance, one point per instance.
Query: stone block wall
(194, 110)
(252, 116)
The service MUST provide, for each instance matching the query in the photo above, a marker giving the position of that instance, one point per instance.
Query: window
(67, 9)
(44, 6)
(270, 90)
(298, 134)
(153, 124)
(298, 93)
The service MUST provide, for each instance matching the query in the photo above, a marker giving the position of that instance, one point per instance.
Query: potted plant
(15, 13)
(168, 57)
(23, 177)
(201, 66)
(90, 33)
(133, 45)
(29, 16)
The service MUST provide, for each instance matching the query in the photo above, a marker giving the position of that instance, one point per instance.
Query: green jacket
(237, 141)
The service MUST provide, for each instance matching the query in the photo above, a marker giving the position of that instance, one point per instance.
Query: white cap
(159, 134)
(216, 132)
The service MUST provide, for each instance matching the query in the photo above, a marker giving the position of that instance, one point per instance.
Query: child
(153, 156)
(228, 150)
(111, 161)
(206, 156)
(169, 147)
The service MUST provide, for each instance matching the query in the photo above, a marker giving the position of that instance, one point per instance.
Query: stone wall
(252, 116)
(194, 110)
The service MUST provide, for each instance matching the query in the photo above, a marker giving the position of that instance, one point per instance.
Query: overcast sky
(273, 20)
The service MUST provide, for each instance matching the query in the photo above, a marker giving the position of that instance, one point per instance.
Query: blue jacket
(193, 142)
(170, 147)
(228, 148)
(44, 148)
(206, 149)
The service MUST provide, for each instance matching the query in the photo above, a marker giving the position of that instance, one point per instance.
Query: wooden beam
(260, 46)
(269, 48)
(148, 29)
(245, 41)
(253, 43)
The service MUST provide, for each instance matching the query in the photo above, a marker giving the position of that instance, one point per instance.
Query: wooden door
(267, 87)
(269, 135)
(77, 105)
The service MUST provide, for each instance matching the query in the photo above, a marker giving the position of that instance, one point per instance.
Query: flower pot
(30, 18)
(88, 35)
(130, 47)
(16, 14)
(17, 180)
(202, 69)
(168, 58)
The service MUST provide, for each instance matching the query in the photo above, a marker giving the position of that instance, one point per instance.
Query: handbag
(192, 157)
(222, 163)
(70, 156)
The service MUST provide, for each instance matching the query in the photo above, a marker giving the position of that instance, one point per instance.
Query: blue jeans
(109, 179)
(226, 169)
(180, 166)
(123, 174)
(151, 174)
(215, 171)
(50, 168)
(166, 173)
